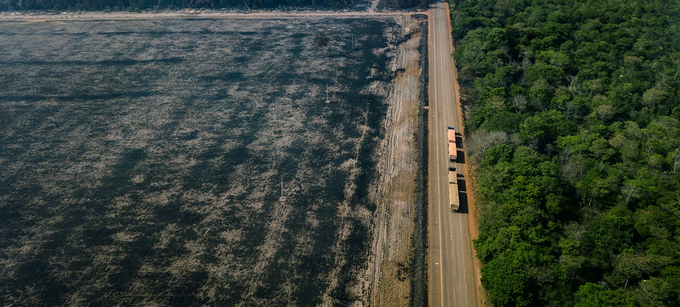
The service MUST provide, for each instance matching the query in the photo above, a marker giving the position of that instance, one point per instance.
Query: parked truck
(454, 201)
(453, 151)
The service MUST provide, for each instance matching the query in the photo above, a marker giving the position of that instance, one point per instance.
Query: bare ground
(395, 216)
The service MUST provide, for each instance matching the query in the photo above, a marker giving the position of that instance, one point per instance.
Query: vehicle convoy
(454, 201)
(453, 151)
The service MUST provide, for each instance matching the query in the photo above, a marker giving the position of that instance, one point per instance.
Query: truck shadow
(460, 157)
(461, 184)
(462, 196)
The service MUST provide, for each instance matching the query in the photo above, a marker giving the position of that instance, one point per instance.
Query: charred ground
(141, 161)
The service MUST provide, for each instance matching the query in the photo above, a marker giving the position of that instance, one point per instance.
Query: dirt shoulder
(395, 218)
(469, 171)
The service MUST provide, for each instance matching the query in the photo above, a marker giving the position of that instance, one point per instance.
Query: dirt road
(398, 196)
(451, 280)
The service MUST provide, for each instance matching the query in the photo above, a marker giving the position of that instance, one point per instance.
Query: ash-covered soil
(141, 161)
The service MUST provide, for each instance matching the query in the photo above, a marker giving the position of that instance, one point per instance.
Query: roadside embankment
(397, 266)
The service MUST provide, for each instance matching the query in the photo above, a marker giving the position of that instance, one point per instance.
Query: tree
(544, 128)
(588, 173)
(593, 295)
(507, 280)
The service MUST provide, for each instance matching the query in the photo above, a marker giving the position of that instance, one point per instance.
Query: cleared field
(142, 162)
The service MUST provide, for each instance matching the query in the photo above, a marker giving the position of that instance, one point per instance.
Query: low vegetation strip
(574, 107)
(190, 162)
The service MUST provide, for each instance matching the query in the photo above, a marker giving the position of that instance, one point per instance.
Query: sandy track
(396, 214)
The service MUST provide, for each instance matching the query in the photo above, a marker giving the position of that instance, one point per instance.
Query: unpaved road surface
(452, 281)
(400, 199)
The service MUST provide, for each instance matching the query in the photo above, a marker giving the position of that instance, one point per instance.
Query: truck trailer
(453, 151)
(454, 201)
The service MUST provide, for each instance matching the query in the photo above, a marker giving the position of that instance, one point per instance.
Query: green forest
(131, 5)
(573, 110)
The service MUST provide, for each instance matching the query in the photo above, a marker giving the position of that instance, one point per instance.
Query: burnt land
(141, 162)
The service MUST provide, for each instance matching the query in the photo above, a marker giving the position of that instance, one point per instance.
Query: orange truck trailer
(454, 201)
(453, 151)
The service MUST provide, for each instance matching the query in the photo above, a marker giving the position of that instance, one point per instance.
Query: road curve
(451, 278)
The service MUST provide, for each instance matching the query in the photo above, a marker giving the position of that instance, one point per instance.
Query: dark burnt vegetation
(322, 39)
(141, 162)
(115, 5)
(404, 3)
(146, 5)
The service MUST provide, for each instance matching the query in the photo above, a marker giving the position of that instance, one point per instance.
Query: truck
(454, 201)
(453, 151)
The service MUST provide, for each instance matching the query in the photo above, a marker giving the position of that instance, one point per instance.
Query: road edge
(421, 258)
(473, 226)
